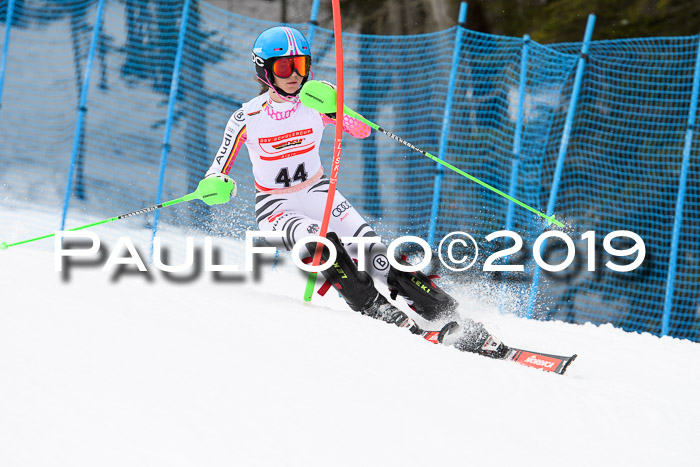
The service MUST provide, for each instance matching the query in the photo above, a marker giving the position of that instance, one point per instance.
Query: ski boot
(382, 309)
(422, 295)
(357, 288)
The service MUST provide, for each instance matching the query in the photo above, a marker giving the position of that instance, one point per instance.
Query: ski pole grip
(321, 96)
(216, 189)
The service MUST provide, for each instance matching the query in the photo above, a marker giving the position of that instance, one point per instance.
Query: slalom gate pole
(206, 192)
(335, 168)
(316, 95)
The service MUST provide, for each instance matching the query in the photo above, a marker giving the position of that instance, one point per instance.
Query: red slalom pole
(335, 168)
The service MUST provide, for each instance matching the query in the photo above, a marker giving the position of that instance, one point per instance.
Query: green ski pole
(211, 190)
(319, 96)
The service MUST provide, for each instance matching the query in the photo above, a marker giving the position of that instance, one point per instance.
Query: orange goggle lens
(283, 67)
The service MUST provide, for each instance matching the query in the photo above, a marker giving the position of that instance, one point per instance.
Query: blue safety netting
(621, 171)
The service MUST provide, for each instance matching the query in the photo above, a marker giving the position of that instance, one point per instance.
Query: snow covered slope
(96, 372)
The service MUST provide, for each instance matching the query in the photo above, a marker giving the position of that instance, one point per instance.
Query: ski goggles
(284, 66)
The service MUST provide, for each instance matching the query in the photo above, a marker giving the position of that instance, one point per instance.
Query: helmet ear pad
(260, 67)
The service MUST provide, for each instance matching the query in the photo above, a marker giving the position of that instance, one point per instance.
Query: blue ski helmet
(278, 42)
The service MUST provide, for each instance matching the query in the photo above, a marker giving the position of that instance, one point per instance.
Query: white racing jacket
(282, 139)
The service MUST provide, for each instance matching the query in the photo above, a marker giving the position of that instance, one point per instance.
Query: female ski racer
(283, 138)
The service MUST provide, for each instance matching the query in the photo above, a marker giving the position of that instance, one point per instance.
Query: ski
(401, 320)
(477, 340)
(547, 362)
(432, 336)
(494, 348)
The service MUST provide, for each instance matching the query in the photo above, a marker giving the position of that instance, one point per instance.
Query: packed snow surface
(135, 369)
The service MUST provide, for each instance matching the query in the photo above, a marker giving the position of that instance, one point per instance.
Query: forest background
(546, 21)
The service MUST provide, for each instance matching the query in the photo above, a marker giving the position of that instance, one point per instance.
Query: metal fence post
(313, 20)
(5, 45)
(682, 185)
(446, 120)
(82, 110)
(517, 146)
(517, 138)
(566, 135)
(174, 87)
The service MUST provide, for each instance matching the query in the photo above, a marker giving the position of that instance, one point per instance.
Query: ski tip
(3, 246)
(567, 363)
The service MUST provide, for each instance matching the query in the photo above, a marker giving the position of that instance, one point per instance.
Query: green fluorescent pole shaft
(550, 219)
(5, 246)
(321, 97)
(210, 190)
